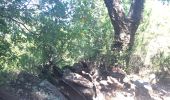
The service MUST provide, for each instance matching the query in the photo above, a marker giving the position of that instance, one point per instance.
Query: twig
(20, 23)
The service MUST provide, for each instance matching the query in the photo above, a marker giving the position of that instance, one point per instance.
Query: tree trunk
(125, 27)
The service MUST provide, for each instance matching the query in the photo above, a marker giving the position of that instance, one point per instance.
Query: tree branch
(116, 14)
(136, 10)
(18, 22)
(134, 18)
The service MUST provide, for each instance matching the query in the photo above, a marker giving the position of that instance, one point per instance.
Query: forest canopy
(34, 32)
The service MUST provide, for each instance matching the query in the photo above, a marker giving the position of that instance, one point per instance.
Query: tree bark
(125, 27)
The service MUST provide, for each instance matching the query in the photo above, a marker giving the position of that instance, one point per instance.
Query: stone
(78, 79)
(7, 95)
(142, 90)
(46, 91)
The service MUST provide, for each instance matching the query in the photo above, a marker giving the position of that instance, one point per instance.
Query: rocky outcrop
(70, 84)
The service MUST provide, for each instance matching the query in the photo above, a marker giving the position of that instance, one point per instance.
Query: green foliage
(64, 31)
(155, 22)
(126, 5)
(161, 61)
(152, 34)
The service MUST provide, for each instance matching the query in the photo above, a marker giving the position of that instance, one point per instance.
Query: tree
(125, 26)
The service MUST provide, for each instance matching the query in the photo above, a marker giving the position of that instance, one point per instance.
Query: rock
(70, 92)
(30, 87)
(122, 96)
(152, 79)
(7, 95)
(100, 96)
(74, 86)
(24, 78)
(107, 88)
(46, 91)
(78, 79)
(142, 90)
(118, 73)
(114, 82)
(82, 93)
(164, 77)
(23, 85)
(104, 82)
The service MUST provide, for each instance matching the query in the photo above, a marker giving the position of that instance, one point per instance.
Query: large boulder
(81, 87)
(30, 87)
(78, 79)
(7, 95)
(142, 90)
(46, 91)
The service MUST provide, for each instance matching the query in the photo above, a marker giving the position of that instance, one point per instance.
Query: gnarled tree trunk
(125, 27)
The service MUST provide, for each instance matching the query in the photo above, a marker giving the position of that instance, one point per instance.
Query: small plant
(161, 62)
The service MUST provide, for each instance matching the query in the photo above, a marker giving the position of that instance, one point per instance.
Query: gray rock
(47, 91)
(78, 79)
(142, 90)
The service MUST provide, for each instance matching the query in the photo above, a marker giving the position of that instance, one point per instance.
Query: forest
(84, 49)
